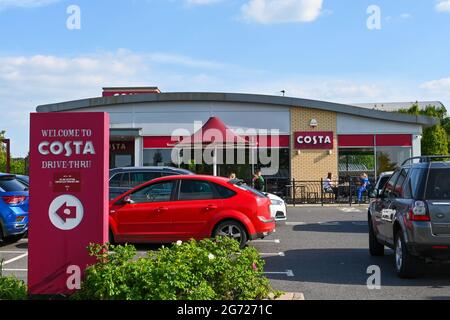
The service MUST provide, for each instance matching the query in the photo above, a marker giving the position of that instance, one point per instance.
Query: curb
(291, 296)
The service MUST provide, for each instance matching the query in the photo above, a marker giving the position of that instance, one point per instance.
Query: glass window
(414, 187)
(116, 180)
(138, 178)
(11, 185)
(157, 192)
(398, 190)
(195, 190)
(125, 182)
(123, 160)
(438, 184)
(224, 192)
(390, 158)
(159, 157)
(390, 185)
(355, 161)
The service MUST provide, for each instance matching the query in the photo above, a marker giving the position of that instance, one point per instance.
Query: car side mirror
(127, 200)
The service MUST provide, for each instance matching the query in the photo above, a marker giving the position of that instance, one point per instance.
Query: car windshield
(10, 184)
(241, 184)
(438, 184)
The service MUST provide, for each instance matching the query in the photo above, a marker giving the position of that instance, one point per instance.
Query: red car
(188, 207)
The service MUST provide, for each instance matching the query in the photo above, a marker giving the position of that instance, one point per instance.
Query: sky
(350, 51)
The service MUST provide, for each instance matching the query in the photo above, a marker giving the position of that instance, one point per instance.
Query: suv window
(398, 190)
(195, 190)
(413, 188)
(116, 180)
(137, 178)
(390, 185)
(157, 192)
(438, 185)
(8, 184)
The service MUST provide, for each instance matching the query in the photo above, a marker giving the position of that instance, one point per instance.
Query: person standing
(364, 183)
(258, 181)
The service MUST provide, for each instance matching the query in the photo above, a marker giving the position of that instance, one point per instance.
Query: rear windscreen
(11, 185)
(438, 185)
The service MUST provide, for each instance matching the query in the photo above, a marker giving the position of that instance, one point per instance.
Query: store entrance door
(121, 153)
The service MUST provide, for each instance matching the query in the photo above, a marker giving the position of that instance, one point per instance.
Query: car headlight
(277, 202)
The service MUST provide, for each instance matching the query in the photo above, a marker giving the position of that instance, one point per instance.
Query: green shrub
(11, 288)
(206, 270)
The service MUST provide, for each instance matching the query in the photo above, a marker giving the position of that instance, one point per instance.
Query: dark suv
(412, 215)
(123, 179)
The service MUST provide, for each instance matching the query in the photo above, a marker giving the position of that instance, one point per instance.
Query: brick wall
(313, 164)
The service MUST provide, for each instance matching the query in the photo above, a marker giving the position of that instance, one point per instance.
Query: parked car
(122, 180)
(183, 207)
(24, 179)
(14, 199)
(412, 215)
(380, 183)
(277, 207)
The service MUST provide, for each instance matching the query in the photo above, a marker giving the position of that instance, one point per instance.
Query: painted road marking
(350, 210)
(15, 259)
(295, 223)
(288, 273)
(266, 241)
(14, 252)
(15, 270)
(329, 223)
(278, 254)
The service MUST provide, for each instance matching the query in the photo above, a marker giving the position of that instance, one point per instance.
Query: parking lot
(321, 252)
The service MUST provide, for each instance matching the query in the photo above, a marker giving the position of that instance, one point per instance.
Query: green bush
(12, 288)
(206, 270)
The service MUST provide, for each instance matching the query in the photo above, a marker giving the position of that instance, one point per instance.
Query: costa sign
(69, 154)
(314, 140)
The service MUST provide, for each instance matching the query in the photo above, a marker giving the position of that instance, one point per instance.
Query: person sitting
(329, 186)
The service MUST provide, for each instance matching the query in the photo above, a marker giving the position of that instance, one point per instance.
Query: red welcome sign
(69, 154)
(314, 140)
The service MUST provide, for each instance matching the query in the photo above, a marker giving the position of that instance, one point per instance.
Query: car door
(398, 206)
(197, 201)
(147, 216)
(382, 207)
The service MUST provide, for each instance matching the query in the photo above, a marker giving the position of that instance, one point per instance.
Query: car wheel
(376, 249)
(111, 237)
(405, 264)
(231, 229)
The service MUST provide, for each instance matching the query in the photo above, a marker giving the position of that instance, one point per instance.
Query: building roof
(395, 106)
(236, 98)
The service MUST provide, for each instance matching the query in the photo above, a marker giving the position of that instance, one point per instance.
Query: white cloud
(406, 16)
(443, 6)
(25, 3)
(281, 11)
(201, 2)
(441, 86)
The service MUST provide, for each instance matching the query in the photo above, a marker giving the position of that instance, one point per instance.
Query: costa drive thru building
(312, 137)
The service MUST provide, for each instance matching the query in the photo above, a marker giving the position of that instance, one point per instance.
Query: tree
(436, 139)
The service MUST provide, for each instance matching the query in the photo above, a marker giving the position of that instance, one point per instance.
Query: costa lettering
(314, 140)
(66, 148)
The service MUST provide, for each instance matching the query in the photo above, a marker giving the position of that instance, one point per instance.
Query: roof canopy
(214, 132)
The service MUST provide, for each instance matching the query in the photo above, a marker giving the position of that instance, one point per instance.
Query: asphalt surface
(320, 252)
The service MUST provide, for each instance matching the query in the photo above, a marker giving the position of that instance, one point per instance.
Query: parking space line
(288, 273)
(15, 270)
(290, 223)
(266, 241)
(277, 254)
(14, 252)
(15, 259)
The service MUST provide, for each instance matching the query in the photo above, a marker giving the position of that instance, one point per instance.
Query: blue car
(14, 197)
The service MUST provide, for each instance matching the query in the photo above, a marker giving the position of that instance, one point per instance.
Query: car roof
(7, 174)
(150, 168)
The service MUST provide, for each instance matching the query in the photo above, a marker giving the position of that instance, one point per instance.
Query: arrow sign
(66, 212)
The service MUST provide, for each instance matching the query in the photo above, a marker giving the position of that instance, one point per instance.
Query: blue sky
(319, 49)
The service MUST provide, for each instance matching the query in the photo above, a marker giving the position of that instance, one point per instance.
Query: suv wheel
(375, 248)
(232, 229)
(405, 263)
